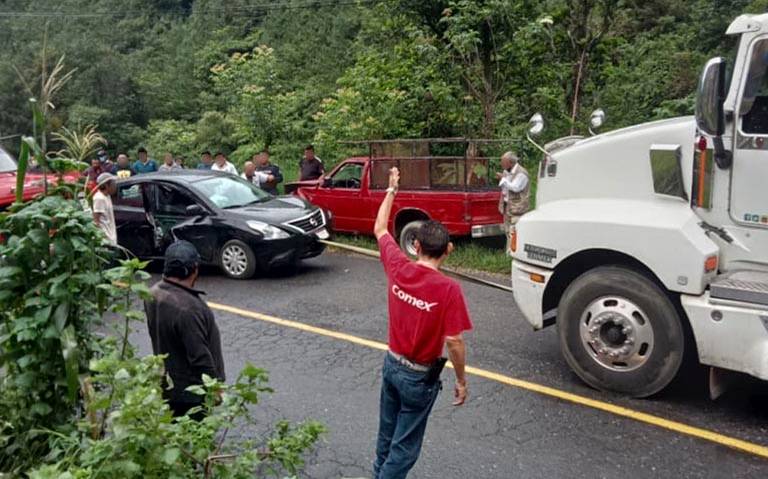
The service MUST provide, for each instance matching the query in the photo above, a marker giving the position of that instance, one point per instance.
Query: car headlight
(268, 231)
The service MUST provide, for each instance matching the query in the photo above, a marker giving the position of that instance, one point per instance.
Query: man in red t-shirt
(426, 312)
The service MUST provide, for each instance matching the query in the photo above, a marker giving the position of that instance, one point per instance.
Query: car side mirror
(710, 117)
(196, 210)
(327, 182)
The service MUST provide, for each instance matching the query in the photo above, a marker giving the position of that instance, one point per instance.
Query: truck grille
(309, 223)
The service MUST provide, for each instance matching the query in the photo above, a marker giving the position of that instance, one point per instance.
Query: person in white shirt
(515, 191)
(220, 163)
(168, 163)
(103, 214)
(258, 178)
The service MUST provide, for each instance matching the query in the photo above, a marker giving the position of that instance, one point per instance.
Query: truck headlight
(268, 231)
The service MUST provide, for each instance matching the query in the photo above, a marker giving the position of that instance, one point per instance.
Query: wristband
(392, 190)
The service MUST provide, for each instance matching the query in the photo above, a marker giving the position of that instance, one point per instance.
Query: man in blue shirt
(206, 160)
(144, 164)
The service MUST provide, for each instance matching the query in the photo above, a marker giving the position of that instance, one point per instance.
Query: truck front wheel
(620, 332)
(408, 237)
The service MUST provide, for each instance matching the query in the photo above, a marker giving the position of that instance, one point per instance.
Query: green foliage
(142, 439)
(49, 298)
(189, 76)
(79, 147)
(172, 136)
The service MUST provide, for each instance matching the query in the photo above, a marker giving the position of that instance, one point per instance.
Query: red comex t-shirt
(425, 306)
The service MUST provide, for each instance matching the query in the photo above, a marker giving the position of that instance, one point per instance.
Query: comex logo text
(413, 301)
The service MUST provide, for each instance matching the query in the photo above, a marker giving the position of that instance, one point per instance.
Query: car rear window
(6, 162)
(129, 195)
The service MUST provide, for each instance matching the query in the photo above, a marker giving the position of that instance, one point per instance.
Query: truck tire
(620, 332)
(407, 237)
(237, 260)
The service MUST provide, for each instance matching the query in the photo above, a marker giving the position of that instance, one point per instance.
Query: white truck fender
(661, 233)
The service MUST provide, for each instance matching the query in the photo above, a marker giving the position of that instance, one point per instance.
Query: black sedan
(233, 224)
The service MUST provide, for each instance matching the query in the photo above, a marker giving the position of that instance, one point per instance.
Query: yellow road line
(731, 442)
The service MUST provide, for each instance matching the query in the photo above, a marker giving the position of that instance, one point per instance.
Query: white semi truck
(650, 244)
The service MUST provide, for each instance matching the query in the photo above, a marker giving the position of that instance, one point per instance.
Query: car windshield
(230, 192)
(6, 162)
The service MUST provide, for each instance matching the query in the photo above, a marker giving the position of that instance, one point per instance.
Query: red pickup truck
(455, 190)
(33, 182)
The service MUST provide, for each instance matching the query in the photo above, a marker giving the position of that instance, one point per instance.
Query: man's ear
(417, 245)
(449, 248)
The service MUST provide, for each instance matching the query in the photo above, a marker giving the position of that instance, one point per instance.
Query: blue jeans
(406, 401)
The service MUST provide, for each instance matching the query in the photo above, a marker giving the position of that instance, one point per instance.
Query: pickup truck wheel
(237, 260)
(620, 332)
(408, 236)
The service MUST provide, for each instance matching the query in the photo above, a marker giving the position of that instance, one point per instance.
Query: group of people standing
(258, 170)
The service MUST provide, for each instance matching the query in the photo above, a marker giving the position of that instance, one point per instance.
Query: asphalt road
(503, 431)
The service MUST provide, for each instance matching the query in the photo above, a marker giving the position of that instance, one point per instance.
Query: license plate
(323, 234)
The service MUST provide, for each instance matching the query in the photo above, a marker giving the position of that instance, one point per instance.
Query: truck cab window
(754, 105)
(349, 176)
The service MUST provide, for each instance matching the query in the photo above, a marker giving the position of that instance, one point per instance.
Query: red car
(33, 182)
(455, 190)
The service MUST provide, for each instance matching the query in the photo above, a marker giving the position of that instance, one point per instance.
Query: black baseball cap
(181, 257)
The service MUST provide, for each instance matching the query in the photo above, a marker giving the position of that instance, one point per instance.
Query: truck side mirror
(710, 117)
(327, 182)
(536, 125)
(596, 120)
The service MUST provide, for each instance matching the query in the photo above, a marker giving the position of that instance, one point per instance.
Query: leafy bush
(172, 136)
(52, 255)
(79, 404)
(143, 440)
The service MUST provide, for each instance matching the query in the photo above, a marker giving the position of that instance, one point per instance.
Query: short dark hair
(433, 238)
(206, 152)
(142, 149)
(218, 153)
(265, 150)
(309, 147)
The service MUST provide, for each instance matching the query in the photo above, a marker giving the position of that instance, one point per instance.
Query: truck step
(744, 286)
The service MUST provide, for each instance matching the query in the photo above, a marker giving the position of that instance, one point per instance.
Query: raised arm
(382, 218)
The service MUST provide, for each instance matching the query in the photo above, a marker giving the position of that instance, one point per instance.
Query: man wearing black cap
(182, 326)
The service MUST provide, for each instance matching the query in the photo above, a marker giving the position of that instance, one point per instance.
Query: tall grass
(486, 255)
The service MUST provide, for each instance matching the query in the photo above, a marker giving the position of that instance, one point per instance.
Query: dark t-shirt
(311, 169)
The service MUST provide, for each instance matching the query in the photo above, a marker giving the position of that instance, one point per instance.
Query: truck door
(749, 180)
(341, 192)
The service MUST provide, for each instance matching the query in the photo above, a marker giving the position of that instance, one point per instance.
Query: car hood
(277, 210)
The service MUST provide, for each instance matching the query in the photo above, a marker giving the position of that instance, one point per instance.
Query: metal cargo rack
(452, 164)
